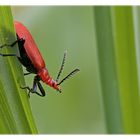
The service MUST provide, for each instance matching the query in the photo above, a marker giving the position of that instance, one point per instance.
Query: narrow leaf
(15, 112)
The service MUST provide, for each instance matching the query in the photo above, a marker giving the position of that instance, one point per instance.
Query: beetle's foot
(28, 94)
(26, 87)
(1, 46)
(29, 90)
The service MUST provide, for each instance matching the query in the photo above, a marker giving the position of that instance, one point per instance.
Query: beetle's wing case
(30, 46)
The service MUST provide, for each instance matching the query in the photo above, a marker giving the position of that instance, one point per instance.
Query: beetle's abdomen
(30, 46)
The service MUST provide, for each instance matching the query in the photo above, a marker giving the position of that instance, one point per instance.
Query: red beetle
(31, 58)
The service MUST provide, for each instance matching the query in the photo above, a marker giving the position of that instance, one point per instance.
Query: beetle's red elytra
(30, 46)
(31, 58)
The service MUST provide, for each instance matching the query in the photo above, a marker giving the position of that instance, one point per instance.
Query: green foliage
(15, 112)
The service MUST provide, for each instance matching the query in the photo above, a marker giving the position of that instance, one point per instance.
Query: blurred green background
(103, 42)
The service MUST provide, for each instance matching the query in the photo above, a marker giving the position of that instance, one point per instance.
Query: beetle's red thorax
(44, 75)
(30, 46)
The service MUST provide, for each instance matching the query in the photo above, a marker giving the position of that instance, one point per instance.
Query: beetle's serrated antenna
(62, 66)
(68, 76)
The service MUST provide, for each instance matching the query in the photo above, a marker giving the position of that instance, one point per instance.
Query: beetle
(31, 58)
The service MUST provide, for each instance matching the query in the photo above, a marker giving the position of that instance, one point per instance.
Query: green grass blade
(127, 67)
(107, 68)
(15, 113)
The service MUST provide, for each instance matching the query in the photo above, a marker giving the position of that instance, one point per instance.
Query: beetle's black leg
(34, 88)
(27, 73)
(28, 88)
(36, 81)
(19, 40)
(41, 89)
(31, 90)
(8, 55)
(38, 93)
(9, 45)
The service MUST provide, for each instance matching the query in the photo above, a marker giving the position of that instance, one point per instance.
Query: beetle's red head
(55, 85)
(46, 78)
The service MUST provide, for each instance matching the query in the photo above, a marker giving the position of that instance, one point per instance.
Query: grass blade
(107, 68)
(15, 113)
(127, 67)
